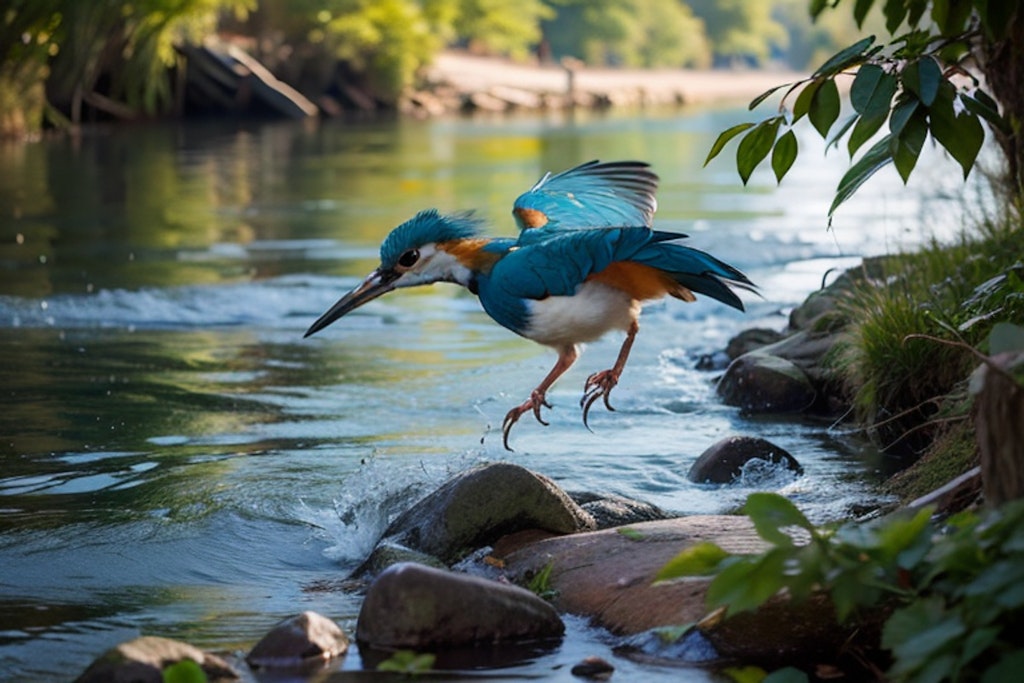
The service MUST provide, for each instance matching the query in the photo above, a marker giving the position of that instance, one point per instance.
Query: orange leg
(600, 384)
(538, 397)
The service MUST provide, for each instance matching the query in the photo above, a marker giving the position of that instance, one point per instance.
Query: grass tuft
(952, 293)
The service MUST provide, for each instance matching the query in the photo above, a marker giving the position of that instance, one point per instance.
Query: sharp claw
(533, 404)
(598, 385)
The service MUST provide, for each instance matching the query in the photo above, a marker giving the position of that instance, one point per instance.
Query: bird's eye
(409, 258)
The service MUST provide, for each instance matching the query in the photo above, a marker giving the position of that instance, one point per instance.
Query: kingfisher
(585, 260)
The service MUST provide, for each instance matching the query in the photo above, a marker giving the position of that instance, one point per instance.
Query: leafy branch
(954, 592)
(918, 84)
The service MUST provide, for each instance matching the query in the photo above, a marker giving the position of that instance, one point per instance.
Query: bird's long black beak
(375, 284)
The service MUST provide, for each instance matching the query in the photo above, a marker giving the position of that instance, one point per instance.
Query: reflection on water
(178, 461)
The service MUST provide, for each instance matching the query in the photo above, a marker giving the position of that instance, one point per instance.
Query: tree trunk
(999, 422)
(1002, 62)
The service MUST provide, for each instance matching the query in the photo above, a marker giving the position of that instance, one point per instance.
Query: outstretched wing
(591, 195)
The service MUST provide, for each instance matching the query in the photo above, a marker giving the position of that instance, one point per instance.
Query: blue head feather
(426, 227)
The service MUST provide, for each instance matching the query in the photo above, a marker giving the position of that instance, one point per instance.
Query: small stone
(593, 667)
(299, 640)
(724, 461)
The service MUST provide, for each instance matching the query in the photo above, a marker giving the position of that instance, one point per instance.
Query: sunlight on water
(179, 461)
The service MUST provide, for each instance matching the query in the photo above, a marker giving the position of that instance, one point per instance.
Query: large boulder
(759, 382)
(144, 659)
(415, 607)
(609, 576)
(476, 507)
(724, 462)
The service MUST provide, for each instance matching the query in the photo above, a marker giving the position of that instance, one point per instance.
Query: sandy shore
(520, 84)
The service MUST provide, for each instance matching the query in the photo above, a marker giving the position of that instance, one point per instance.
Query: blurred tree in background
(118, 59)
(637, 33)
(111, 54)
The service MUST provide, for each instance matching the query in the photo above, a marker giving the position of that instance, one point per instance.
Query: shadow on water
(178, 461)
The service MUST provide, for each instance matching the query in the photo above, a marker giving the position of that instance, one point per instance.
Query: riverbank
(462, 81)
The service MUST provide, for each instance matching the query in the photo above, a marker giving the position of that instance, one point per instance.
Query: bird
(585, 260)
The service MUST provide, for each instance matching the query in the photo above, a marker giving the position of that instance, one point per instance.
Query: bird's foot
(536, 401)
(599, 385)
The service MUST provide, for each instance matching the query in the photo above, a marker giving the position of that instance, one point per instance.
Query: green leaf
(923, 78)
(906, 146)
(874, 159)
(907, 539)
(872, 90)
(184, 671)
(754, 147)
(408, 662)
(862, 132)
(700, 559)
(749, 582)
(803, 100)
(817, 6)
(860, 11)
(894, 11)
(984, 106)
(902, 113)
(724, 137)
(788, 674)
(846, 57)
(1007, 669)
(952, 16)
(824, 107)
(784, 154)
(961, 135)
(745, 674)
(920, 631)
(771, 512)
(838, 134)
(1005, 337)
(765, 95)
(915, 10)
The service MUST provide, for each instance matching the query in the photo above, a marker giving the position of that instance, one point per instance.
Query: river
(179, 461)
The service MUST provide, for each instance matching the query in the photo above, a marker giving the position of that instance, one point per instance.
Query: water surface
(178, 461)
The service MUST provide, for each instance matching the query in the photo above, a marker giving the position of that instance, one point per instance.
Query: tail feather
(698, 271)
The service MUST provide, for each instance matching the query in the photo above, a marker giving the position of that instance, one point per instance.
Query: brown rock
(300, 640)
(143, 660)
(609, 575)
(411, 606)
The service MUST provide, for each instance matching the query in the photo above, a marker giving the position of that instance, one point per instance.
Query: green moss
(952, 453)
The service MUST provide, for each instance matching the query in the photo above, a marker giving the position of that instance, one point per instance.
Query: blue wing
(559, 264)
(591, 195)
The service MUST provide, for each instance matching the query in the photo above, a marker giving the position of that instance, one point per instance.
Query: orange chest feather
(470, 253)
(641, 282)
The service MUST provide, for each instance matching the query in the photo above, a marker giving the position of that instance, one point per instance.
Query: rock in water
(143, 660)
(300, 640)
(476, 507)
(723, 462)
(412, 606)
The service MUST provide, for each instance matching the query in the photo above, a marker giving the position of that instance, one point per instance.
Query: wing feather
(591, 195)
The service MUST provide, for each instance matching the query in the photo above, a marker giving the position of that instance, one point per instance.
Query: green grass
(905, 387)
